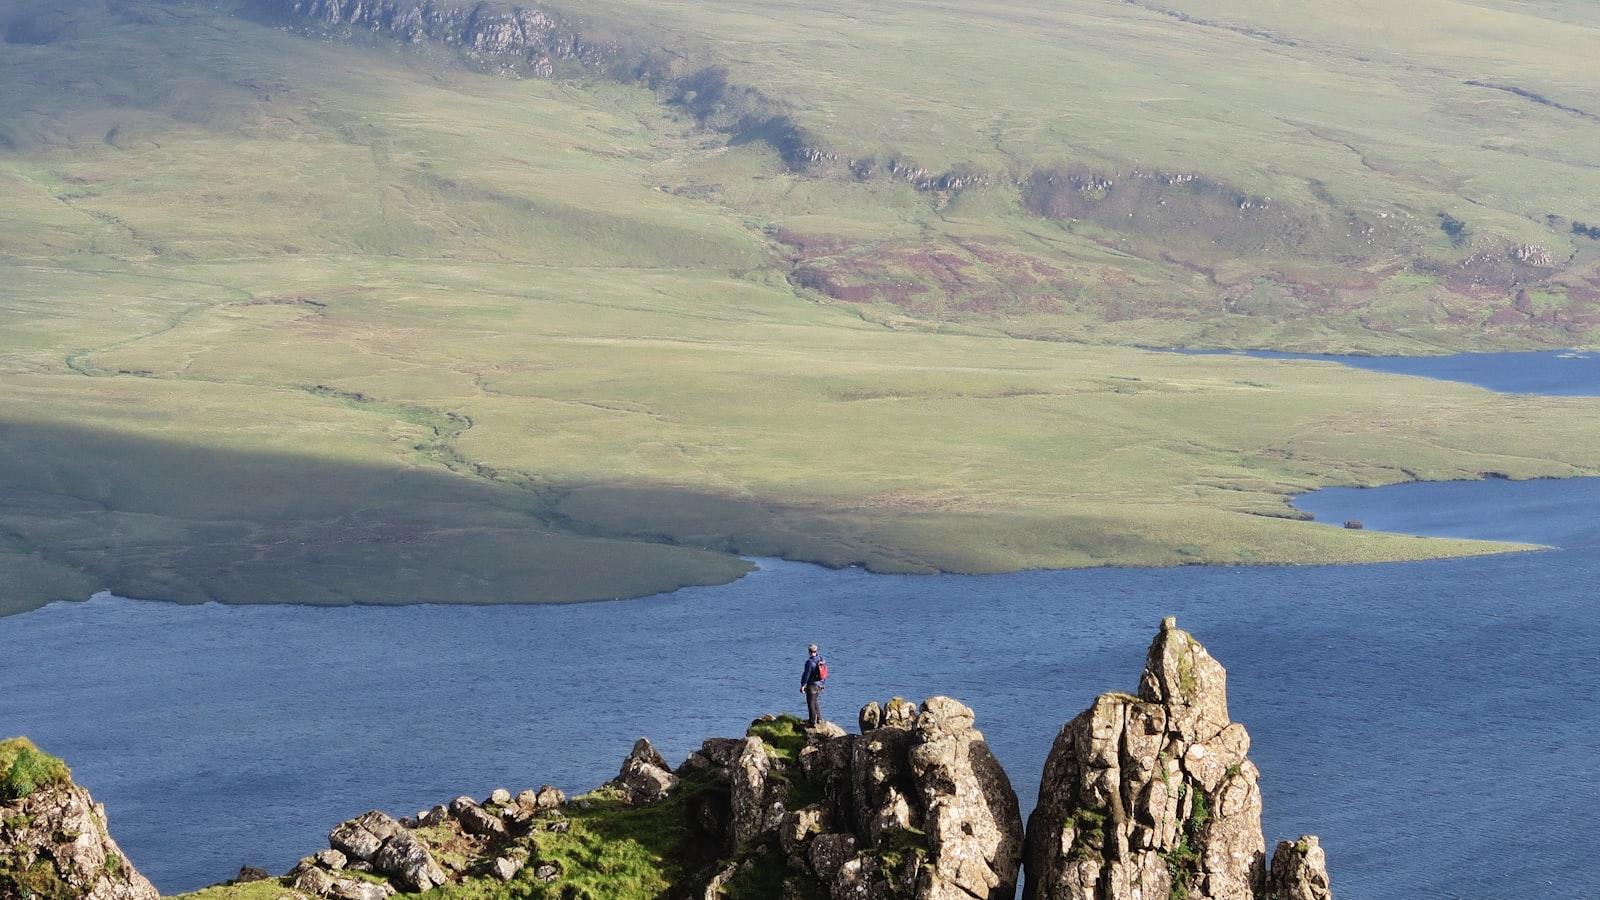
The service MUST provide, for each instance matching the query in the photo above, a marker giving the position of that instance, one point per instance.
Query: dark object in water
(1354, 524)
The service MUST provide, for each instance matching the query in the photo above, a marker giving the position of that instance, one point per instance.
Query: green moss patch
(785, 736)
(25, 768)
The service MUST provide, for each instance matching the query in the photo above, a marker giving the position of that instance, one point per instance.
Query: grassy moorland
(288, 320)
(1290, 174)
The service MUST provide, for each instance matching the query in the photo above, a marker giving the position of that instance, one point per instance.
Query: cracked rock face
(530, 34)
(54, 842)
(1150, 796)
(645, 777)
(1299, 871)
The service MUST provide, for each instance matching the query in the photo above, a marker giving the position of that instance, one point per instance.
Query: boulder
(500, 797)
(644, 777)
(330, 859)
(797, 829)
(313, 881)
(476, 820)
(550, 798)
(248, 874)
(880, 780)
(433, 817)
(353, 889)
(899, 713)
(361, 837)
(870, 717)
(824, 730)
(407, 861)
(505, 868)
(1299, 871)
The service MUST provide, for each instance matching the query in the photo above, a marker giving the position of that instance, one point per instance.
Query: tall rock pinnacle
(1153, 796)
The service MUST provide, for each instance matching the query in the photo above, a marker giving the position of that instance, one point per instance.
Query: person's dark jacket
(810, 674)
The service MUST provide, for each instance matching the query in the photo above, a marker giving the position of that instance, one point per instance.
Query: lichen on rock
(54, 842)
(1153, 796)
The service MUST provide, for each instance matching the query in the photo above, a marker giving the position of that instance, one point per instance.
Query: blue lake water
(1437, 723)
(1571, 373)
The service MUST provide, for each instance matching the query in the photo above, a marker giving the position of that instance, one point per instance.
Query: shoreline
(1466, 548)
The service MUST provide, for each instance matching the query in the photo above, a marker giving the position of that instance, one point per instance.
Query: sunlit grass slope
(296, 321)
(1329, 175)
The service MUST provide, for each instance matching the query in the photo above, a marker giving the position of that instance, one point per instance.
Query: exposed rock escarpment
(1154, 796)
(525, 34)
(53, 837)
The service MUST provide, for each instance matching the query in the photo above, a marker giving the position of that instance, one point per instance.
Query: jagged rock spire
(1150, 796)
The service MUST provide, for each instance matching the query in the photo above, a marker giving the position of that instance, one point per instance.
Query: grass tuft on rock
(25, 768)
(785, 736)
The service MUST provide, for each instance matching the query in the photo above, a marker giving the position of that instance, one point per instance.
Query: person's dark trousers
(814, 704)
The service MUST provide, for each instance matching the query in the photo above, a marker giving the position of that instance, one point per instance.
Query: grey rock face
(549, 798)
(871, 717)
(475, 819)
(504, 868)
(899, 713)
(525, 34)
(1299, 871)
(914, 810)
(1152, 795)
(970, 812)
(351, 889)
(407, 862)
(61, 830)
(644, 777)
(362, 837)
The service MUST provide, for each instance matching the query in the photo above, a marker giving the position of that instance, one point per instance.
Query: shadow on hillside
(167, 520)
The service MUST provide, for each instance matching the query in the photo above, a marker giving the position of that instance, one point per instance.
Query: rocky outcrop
(374, 855)
(1143, 797)
(508, 33)
(645, 777)
(1154, 796)
(54, 840)
(919, 808)
(1299, 871)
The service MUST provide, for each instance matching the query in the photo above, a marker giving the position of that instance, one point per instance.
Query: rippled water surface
(1571, 373)
(1437, 723)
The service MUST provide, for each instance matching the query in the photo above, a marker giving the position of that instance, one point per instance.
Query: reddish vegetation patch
(929, 279)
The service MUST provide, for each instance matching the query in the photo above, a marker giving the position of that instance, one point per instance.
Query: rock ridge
(1143, 797)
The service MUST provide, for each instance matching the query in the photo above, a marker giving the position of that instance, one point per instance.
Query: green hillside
(334, 318)
(1305, 175)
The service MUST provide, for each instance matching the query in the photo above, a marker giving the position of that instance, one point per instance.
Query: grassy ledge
(25, 768)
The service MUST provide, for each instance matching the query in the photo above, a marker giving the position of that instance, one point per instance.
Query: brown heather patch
(954, 278)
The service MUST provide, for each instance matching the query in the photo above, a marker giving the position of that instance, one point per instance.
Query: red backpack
(822, 670)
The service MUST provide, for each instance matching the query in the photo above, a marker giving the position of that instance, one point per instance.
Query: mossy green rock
(53, 839)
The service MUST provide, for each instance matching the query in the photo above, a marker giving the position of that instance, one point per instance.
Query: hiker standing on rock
(812, 679)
